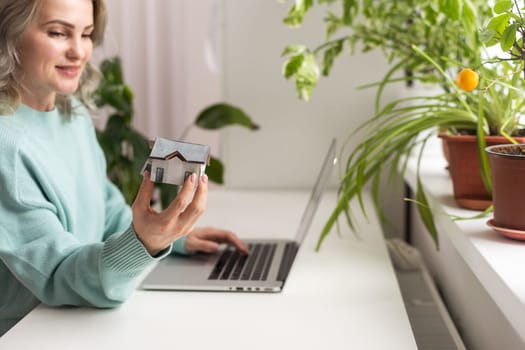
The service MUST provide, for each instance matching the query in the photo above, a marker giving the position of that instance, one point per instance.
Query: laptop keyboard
(233, 265)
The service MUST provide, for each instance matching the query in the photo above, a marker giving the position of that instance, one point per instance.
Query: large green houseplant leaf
(126, 149)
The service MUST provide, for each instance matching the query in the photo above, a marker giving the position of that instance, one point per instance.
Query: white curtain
(165, 50)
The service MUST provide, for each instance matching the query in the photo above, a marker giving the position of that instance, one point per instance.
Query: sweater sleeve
(59, 270)
(118, 217)
(56, 266)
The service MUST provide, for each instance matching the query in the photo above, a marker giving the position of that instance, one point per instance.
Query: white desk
(344, 297)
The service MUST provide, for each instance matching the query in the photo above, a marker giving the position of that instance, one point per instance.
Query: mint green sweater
(65, 231)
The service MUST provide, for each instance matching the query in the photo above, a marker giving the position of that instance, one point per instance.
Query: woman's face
(54, 50)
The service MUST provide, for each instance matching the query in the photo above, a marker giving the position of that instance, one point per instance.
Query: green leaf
(330, 54)
(111, 70)
(306, 77)
(111, 95)
(367, 6)
(484, 163)
(294, 49)
(116, 128)
(469, 17)
(516, 49)
(127, 95)
(296, 14)
(112, 91)
(333, 23)
(488, 36)
(292, 65)
(222, 114)
(349, 10)
(425, 213)
(509, 37)
(503, 6)
(499, 23)
(450, 8)
(215, 171)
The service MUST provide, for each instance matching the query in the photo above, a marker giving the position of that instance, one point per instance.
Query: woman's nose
(76, 49)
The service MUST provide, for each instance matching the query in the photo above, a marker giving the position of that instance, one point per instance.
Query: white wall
(294, 135)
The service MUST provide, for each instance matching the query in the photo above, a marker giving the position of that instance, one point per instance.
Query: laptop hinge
(290, 251)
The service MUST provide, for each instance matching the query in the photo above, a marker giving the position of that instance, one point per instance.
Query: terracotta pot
(507, 167)
(464, 168)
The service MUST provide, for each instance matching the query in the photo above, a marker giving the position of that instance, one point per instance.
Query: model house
(172, 161)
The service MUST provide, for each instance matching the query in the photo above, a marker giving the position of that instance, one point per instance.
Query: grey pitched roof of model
(188, 152)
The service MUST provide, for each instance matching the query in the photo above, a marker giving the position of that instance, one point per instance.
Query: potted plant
(430, 42)
(507, 30)
(467, 162)
(126, 149)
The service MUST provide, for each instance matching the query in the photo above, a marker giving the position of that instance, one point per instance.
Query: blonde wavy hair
(15, 17)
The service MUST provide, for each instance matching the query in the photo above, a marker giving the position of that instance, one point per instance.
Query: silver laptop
(264, 270)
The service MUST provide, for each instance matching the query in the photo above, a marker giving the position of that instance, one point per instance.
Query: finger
(179, 204)
(143, 198)
(201, 245)
(238, 244)
(228, 237)
(198, 204)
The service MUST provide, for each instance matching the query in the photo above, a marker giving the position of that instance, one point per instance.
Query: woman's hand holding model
(157, 230)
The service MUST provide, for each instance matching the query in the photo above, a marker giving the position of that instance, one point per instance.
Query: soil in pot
(515, 150)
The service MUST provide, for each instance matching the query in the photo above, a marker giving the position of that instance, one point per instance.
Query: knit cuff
(125, 253)
(178, 246)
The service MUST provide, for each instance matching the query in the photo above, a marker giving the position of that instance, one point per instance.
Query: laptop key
(260, 263)
(230, 264)
(268, 263)
(219, 265)
(252, 258)
(238, 268)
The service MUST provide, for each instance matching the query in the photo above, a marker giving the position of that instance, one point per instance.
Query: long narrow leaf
(482, 156)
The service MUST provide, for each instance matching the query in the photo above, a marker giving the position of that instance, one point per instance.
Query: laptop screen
(315, 197)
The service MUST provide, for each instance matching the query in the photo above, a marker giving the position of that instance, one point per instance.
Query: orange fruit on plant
(467, 79)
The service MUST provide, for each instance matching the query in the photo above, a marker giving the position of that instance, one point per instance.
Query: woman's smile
(72, 71)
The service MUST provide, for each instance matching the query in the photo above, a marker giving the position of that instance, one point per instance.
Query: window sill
(496, 261)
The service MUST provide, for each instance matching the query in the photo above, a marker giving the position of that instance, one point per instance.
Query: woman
(66, 235)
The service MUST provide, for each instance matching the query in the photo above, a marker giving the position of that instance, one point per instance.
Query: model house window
(159, 174)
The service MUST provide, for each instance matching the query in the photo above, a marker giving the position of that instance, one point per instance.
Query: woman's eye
(87, 36)
(56, 34)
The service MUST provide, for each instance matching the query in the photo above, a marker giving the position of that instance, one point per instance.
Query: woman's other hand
(208, 239)
(157, 230)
